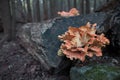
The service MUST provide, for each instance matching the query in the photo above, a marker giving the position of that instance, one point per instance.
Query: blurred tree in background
(13, 12)
(39, 10)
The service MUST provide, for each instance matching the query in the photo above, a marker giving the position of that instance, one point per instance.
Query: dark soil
(17, 64)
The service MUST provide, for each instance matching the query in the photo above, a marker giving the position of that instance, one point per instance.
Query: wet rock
(40, 39)
(95, 72)
(30, 37)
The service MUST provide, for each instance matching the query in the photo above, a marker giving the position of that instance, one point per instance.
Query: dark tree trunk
(37, 10)
(52, 8)
(6, 18)
(48, 8)
(94, 5)
(34, 10)
(45, 9)
(75, 3)
(20, 15)
(78, 4)
(69, 4)
(82, 6)
(41, 10)
(24, 9)
(87, 6)
(29, 15)
(13, 19)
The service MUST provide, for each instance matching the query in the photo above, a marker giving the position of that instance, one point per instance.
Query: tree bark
(45, 9)
(41, 10)
(6, 18)
(20, 15)
(82, 6)
(37, 10)
(52, 2)
(87, 6)
(94, 5)
(29, 15)
(48, 7)
(34, 10)
(13, 19)
(75, 3)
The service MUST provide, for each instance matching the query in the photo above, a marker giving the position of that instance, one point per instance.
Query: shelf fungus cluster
(72, 12)
(81, 42)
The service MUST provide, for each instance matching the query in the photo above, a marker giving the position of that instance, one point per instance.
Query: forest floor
(17, 64)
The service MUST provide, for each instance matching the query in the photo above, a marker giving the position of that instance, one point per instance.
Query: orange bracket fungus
(81, 42)
(72, 12)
